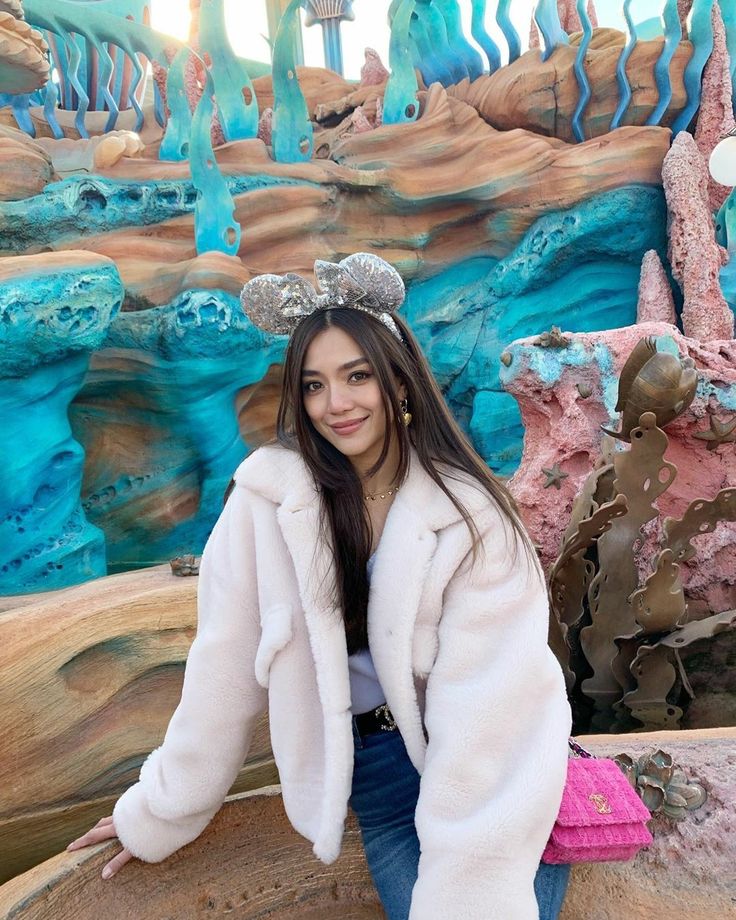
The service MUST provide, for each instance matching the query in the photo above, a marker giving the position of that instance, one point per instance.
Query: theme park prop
(630, 635)
(499, 192)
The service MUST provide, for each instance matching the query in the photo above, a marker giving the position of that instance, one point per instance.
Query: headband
(363, 281)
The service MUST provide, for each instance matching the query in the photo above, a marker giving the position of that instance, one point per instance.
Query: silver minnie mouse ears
(277, 303)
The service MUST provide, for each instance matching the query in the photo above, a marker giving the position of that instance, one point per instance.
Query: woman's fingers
(117, 863)
(103, 830)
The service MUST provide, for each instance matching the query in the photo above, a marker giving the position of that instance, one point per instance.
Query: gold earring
(405, 414)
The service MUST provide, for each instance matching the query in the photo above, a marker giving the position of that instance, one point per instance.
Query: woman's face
(342, 397)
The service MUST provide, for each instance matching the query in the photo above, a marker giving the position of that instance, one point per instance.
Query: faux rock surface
(695, 256)
(715, 118)
(656, 304)
(688, 871)
(25, 167)
(562, 426)
(89, 678)
(54, 311)
(541, 96)
(24, 65)
(250, 862)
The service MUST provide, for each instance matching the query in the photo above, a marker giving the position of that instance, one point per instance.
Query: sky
(247, 25)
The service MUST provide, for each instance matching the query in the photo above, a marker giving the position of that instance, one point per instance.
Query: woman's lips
(349, 428)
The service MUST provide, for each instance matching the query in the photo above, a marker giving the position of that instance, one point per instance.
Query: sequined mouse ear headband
(363, 281)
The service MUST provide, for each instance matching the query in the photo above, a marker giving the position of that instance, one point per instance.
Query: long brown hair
(433, 433)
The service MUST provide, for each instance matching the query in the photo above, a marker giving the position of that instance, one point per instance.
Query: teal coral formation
(81, 205)
(167, 379)
(50, 321)
(726, 229)
(579, 266)
(185, 362)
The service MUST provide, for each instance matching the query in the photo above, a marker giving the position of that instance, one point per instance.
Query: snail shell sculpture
(653, 381)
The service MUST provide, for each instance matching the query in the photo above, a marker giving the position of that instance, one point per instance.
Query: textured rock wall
(53, 313)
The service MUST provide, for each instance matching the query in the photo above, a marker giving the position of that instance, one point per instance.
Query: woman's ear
(401, 389)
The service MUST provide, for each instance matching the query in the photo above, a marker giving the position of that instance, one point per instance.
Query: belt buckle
(388, 723)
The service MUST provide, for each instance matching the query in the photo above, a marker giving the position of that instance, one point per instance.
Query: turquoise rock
(726, 230)
(50, 321)
(81, 205)
(578, 269)
(161, 390)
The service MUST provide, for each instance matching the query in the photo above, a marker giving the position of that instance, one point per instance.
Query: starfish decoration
(718, 433)
(554, 476)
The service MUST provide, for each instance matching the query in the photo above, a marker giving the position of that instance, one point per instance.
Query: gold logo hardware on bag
(600, 803)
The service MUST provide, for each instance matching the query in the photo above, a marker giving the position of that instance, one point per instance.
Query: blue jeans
(384, 799)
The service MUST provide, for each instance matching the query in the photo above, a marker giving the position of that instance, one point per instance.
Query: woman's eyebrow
(343, 367)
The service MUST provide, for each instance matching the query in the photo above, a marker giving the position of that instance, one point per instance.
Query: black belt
(377, 720)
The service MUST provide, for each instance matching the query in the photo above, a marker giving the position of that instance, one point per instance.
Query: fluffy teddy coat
(460, 650)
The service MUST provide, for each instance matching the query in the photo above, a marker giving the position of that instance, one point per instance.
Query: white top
(365, 690)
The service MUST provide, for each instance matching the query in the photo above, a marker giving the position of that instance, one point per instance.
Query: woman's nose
(340, 400)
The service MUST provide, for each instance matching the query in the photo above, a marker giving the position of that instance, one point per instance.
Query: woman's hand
(103, 830)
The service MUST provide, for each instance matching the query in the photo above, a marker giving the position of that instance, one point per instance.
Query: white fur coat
(461, 654)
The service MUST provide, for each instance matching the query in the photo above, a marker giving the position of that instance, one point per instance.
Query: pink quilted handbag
(601, 817)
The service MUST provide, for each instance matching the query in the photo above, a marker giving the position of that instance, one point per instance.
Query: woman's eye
(360, 375)
(308, 387)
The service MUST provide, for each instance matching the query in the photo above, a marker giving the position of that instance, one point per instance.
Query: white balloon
(722, 163)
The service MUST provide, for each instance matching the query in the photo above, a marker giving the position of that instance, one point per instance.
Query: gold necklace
(375, 496)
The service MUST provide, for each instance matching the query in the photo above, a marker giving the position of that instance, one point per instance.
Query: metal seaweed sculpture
(629, 634)
(641, 475)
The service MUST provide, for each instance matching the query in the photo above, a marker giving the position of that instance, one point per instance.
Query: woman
(371, 583)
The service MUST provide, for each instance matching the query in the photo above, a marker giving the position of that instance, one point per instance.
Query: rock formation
(694, 255)
(541, 96)
(715, 118)
(566, 394)
(656, 304)
(54, 311)
(89, 678)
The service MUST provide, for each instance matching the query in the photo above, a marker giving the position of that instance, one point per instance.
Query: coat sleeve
(184, 781)
(497, 720)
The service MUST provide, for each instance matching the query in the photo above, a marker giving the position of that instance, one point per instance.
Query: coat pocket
(276, 633)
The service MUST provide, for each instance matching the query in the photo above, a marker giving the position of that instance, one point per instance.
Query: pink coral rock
(373, 73)
(562, 425)
(683, 11)
(715, 119)
(265, 126)
(569, 20)
(694, 255)
(655, 304)
(360, 122)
